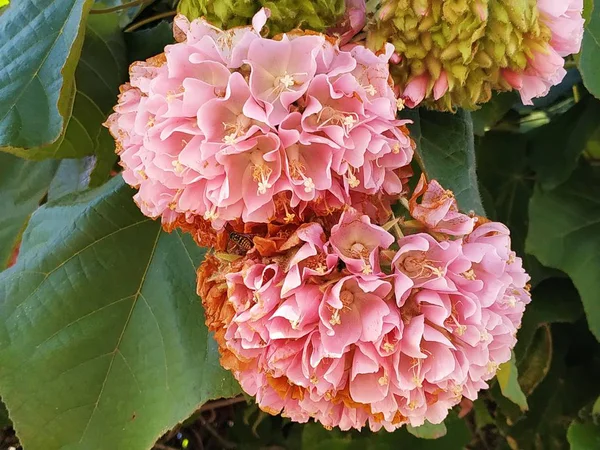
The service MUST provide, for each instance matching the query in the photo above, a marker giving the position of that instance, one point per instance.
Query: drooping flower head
(286, 15)
(347, 324)
(456, 53)
(228, 126)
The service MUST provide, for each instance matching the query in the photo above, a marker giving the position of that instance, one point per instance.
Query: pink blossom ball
(545, 66)
(228, 125)
(351, 326)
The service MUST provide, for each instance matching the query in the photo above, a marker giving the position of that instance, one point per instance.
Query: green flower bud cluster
(471, 41)
(286, 15)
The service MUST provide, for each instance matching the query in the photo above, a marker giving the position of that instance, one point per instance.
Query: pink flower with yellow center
(228, 125)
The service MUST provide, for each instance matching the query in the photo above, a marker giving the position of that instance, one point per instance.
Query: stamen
(384, 380)
(335, 318)
(353, 182)
(484, 336)
(370, 89)
(492, 367)
(171, 95)
(230, 139)
(211, 214)
(287, 81)
(469, 275)
(400, 104)
(416, 379)
(297, 172)
(389, 347)
(261, 174)
(178, 166)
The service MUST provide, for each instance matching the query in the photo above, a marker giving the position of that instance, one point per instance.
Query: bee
(239, 243)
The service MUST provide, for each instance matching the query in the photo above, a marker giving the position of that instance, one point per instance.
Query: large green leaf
(428, 430)
(558, 145)
(509, 385)
(148, 42)
(23, 184)
(73, 175)
(40, 43)
(491, 112)
(554, 301)
(564, 233)
(584, 436)
(101, 69)
(456, 436)
(504, 173)
(589, 61)
(446, 152)
(536, 364)
(103, 342)
(570, 384)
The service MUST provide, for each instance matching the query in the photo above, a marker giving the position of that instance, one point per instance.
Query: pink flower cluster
(343, 328)
(228, 125)
(546, 65)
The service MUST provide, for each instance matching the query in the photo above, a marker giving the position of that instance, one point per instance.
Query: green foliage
(23, 185)
(584, 436)
(565, 234)
(589, 61)
(454, 435)
(446, 152)
(509, 384)
(285, 14)
(41, 44)
(118, 352)
(102, 337)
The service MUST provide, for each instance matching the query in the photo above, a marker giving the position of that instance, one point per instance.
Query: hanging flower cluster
(227, 125)
(285, 156)
(343, 322)
(455, 53)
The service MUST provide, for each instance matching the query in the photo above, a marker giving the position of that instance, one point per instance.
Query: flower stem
(151, 19)
(120, 7)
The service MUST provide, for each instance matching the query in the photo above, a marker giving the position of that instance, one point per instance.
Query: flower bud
(480, 46)
(286, 15)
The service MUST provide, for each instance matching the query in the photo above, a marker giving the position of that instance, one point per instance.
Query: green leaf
(40, 43)
(564, 233)
(536, 364)
(4, 418)
(491, 112)
(558, 145)
(101, 70)
(589, 61)
(502, 169)
(446, 153)
(455, 436)
(73, 175)
(145, 43)
(3, 3)
(508, 380)
(584, 436)
(428, 430)
(103, 339)
(554, 301)
(126, 14)
(504, 173)
(23, 184)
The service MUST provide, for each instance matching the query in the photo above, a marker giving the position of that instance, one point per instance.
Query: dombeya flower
(228, 126)
(456, 53)
(312, 333)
